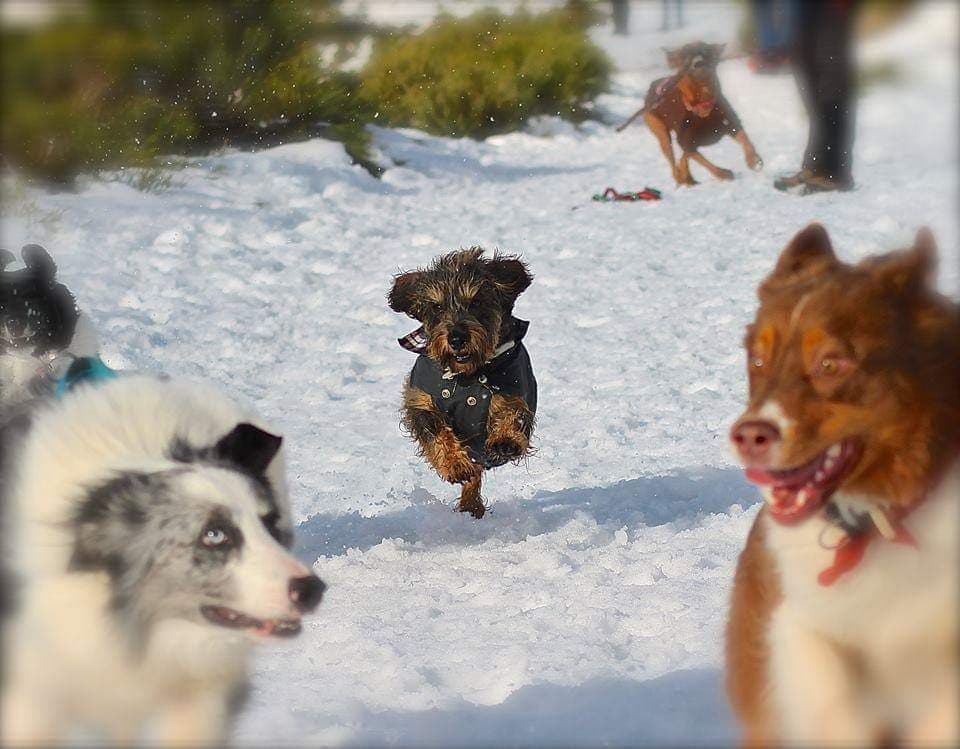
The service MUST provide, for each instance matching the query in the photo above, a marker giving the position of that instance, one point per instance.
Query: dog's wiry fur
(865, 354)
(465, 292)
(143, 516)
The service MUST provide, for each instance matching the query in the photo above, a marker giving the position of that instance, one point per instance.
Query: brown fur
(463, 291)
(674, 112)
(867, 351)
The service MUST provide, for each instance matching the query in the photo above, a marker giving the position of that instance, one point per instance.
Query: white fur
(17, 370)
(895, 613)
(66, 664)
(773, 412)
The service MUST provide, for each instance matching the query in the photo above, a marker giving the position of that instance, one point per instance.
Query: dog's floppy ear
(39, 262)
(510, 275)
(249, 447)
(401, 296)
(808, 255)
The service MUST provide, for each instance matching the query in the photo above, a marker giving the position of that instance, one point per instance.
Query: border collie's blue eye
(215, 538)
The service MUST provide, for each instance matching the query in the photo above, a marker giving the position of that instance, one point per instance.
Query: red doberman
(691, 105)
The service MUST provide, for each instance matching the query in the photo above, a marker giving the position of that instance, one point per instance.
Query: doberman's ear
(38, 260)
(249, 447)
(510, 274)
(808, 255)
(403, 293)
(674, 57)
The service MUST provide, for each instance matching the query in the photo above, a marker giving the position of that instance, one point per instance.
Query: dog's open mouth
(704, 107)
(797, 493)
(226, 617)
(462, 358)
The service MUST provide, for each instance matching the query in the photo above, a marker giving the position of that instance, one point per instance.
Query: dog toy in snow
(609, 195)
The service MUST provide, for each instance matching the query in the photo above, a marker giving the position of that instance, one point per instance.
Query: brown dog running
(843, 626)
(471, 397)
(690, 105)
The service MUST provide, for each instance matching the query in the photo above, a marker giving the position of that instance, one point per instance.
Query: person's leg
(826, 66)
(836, 101)
(763, 19)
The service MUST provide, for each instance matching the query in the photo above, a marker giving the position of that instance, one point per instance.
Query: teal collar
(84, 369)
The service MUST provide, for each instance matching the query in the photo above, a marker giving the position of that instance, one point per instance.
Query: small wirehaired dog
(471, 397)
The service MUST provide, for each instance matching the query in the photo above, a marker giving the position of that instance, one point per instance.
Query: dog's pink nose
(754, 439)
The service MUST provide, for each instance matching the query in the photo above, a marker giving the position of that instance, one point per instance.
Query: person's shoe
(789, 181)
(815, 184)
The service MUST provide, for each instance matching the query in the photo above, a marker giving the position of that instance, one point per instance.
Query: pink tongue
(759, 476)
(266, 628)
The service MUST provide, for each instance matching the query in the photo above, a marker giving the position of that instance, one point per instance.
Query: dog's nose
(457, 338)
(306, 592)
(754, 438)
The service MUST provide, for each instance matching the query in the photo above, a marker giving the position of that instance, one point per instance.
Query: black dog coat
(464, 400)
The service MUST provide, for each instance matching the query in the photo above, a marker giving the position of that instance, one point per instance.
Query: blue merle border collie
(147, 532)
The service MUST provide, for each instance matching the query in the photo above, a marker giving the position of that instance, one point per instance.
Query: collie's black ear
(510, 274)
(248, 447)
(402, 294)
(38, 260)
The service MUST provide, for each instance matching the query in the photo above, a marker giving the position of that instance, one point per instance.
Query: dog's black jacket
(465, 399)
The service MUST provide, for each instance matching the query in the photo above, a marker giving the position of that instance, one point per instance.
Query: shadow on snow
(680, 498)
(683, 708)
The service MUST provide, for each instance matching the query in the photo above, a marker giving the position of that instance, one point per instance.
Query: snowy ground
(588, 607)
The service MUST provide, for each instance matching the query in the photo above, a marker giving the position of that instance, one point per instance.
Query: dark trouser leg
(824, 69)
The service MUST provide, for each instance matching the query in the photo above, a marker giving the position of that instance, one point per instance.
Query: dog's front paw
(502, 451)
(723, 174)
(754, 161)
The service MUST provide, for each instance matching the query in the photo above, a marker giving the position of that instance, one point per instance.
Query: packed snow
(588, 607)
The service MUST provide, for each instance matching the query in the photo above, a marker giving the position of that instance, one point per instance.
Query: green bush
(127, 82)
(485, 73)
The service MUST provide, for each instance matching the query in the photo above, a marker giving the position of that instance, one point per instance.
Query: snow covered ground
(587, 608)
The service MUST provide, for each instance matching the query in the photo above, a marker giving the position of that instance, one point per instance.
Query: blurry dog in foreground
(844, 620)
(690, 106)
(41, 329)
(471, 398)
(147, 536)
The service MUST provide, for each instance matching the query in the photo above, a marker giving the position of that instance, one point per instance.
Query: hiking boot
(814, 185)
(789, 181)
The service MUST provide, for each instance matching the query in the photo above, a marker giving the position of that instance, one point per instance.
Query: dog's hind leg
(717, 171)
(470, 499)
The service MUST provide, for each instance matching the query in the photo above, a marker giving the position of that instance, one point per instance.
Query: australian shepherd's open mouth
(226, 617)
(794, 494)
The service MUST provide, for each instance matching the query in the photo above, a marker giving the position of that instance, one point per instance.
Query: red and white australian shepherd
(843, 626)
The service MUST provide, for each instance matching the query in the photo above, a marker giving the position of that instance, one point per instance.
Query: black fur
(36, 313)
(249, 450)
